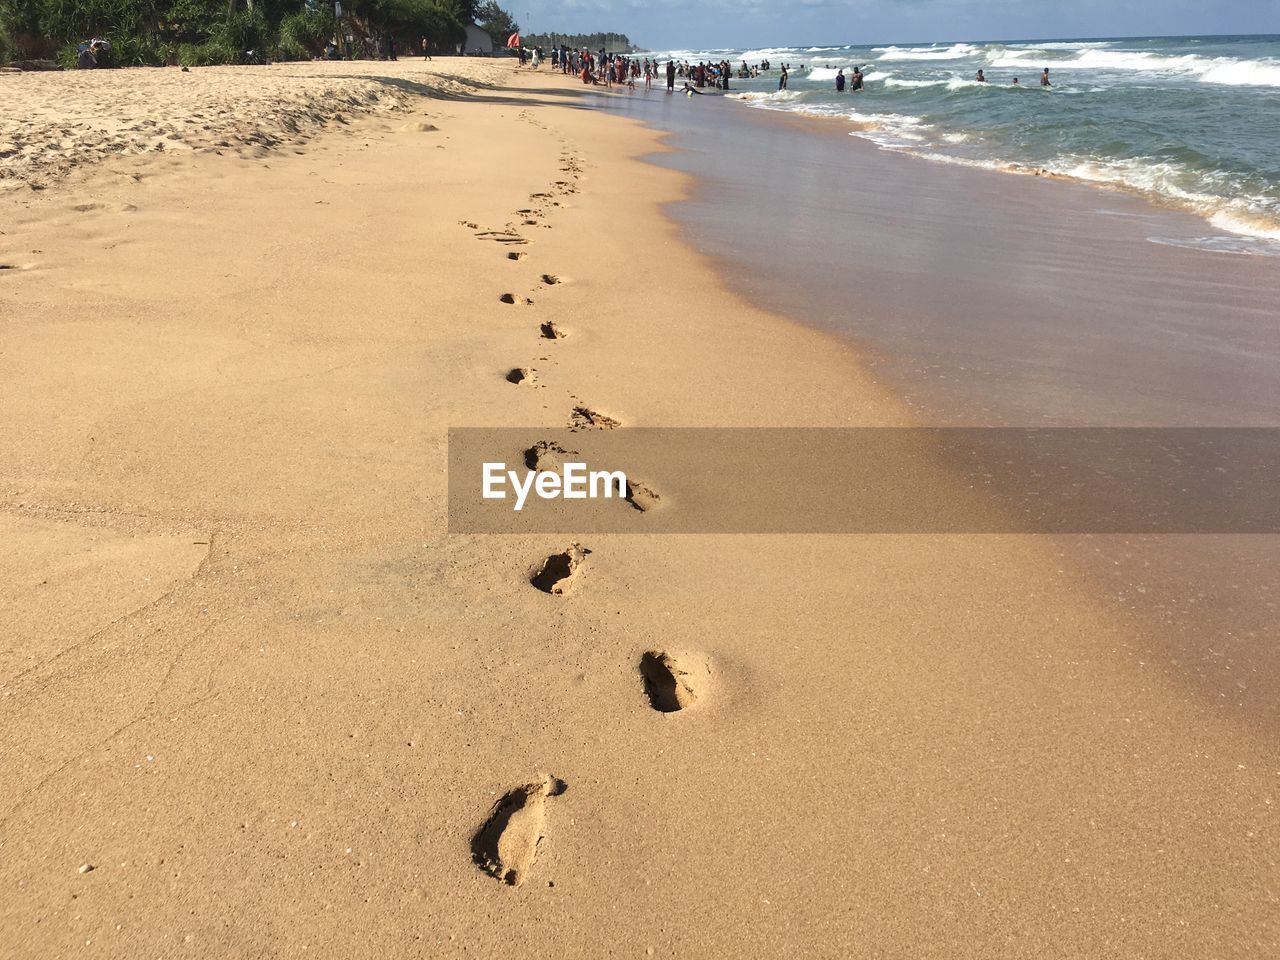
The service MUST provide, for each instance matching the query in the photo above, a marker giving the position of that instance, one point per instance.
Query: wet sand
(256, 699)
(984, 298)
(990, 299)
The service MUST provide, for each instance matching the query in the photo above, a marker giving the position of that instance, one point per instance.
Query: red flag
(513, 41)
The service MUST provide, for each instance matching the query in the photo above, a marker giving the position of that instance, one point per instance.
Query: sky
(690, 24)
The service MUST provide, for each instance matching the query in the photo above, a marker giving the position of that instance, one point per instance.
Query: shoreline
(1260, 239)
(262, 691)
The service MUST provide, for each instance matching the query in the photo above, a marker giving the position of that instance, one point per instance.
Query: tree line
(200, 32)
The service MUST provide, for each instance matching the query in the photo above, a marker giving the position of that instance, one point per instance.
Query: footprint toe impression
(506, 846)
(671, 683)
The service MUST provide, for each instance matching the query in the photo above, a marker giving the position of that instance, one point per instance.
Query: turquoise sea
(1191, 121)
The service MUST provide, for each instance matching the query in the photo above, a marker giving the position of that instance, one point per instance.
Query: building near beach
(478, 43)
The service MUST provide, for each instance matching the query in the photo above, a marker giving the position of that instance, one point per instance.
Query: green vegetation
(203, 32)
(496, 22)
(613, 42)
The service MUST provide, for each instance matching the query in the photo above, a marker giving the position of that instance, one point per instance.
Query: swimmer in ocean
(1044, 78)
(981, 77)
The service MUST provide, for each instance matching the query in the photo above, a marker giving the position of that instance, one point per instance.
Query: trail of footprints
(507, 843)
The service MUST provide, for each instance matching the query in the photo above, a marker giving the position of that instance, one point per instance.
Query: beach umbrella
(513, 41)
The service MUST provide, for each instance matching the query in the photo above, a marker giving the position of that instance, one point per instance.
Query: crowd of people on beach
(609, 69)
(601, 68)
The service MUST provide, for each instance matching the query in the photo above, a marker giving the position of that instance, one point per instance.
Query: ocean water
(1190, 121)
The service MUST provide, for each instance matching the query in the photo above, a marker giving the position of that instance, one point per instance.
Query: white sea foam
(1240, 246)
(1221, 70)
(908, 84)
(768, 53)
(1242, 214)
(954, 52)
(1246, 223)
(1069, 45)
(1243, 73)
(892, 131)
(767, 96)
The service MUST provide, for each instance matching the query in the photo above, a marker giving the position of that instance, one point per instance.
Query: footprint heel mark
(642, 496)
(520, 375)
(584, 418)
(673, 683)
(550, 279)
(558, 574)
(553, 331)
(516, 255)
(506, 845)
(508, 298)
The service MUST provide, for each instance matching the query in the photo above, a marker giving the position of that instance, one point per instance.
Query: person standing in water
(981, 77)
(857, 79)
(671, 76)
(840, 81)
(782, 80)
(1044, 78)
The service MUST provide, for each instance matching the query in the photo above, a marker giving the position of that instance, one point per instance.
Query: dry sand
(256, 700)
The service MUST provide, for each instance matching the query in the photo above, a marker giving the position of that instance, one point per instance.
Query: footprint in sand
(558, 574)
(506, 846)
(671, 682)
(553, 331)
(584, 418)
(501, 236)
(641, 496)
(520, 375)
(516, 255)
(547, 455)
(550, 279)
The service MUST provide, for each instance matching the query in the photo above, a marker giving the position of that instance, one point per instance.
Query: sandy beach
(258, 702)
